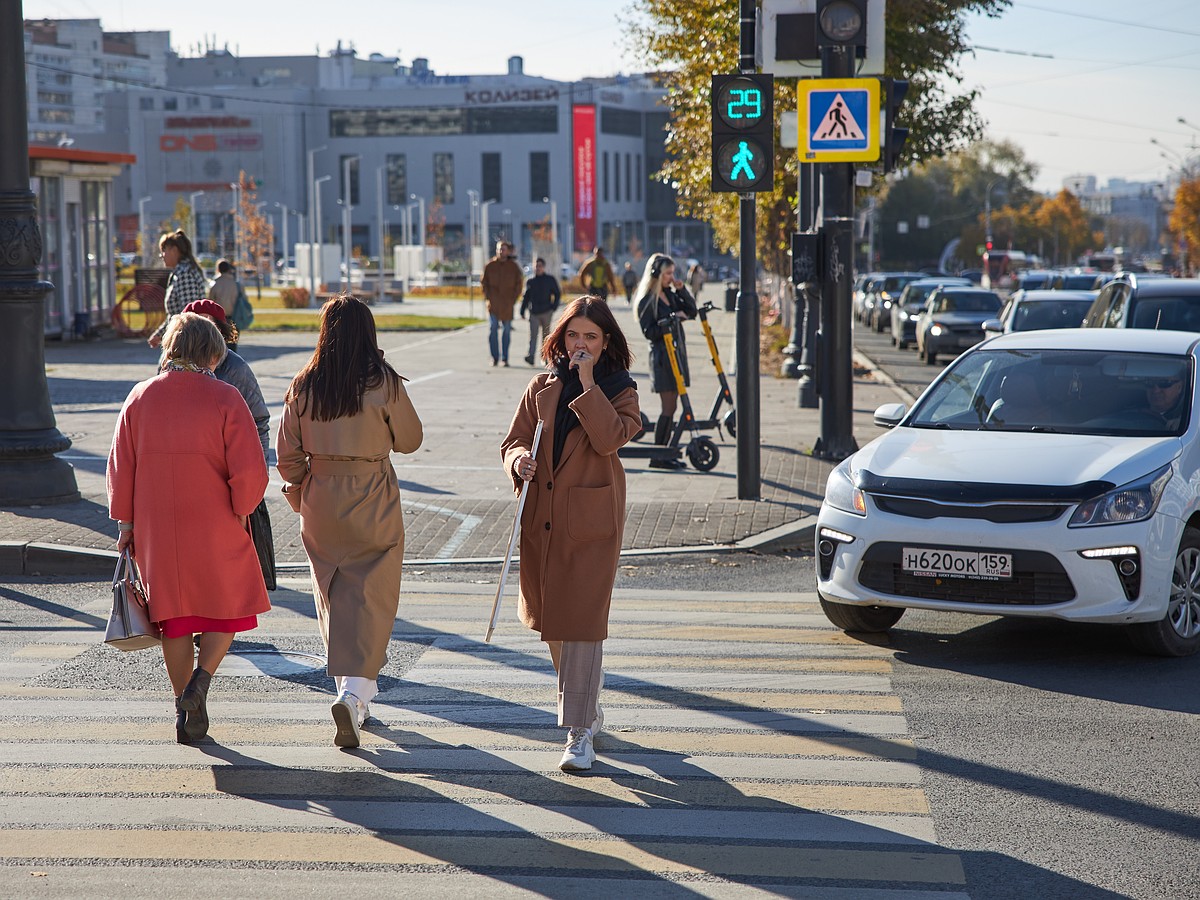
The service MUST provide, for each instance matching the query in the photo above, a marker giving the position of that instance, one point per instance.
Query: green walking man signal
(743, 133)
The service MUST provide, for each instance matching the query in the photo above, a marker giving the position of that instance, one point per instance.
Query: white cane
(512, 540)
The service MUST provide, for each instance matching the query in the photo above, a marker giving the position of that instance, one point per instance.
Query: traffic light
(743, 133)
(894, 137)
(841, 23)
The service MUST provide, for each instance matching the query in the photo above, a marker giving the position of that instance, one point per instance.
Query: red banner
(584, 130)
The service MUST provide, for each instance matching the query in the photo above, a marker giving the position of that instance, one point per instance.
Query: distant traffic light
(841, 23)
(894, 137)
(743, 133)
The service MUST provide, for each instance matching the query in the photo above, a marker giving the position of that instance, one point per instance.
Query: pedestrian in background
(629, 281)
(343, 414)
(541, 299)
(574, 514)
(224, 289)
(501, 284)
(661, 295)
(186, 470)
(186, 282)
(596, 275)
(236, 371)
(696, 279)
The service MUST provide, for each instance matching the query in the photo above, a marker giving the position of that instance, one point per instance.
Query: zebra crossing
(750, 750)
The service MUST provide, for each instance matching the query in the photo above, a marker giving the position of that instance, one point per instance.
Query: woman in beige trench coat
(344, 413)
(574, 513)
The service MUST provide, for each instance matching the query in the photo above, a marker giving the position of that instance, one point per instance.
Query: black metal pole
(30, 474)
(837, 373)
(749, 468)
(808, 297)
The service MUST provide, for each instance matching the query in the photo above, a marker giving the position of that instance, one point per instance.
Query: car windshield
(1166, 313)
(1094, 392)
(972, 302)
(1050, 314)
(1079, 282)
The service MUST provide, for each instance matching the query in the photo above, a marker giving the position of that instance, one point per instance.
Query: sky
(1080, 85)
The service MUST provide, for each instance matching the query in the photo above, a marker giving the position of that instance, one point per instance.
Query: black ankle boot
(193, 700)
(181, 735)
(662, 429)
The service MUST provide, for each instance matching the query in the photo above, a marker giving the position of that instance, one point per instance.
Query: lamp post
(346, 224)
(987, 210)
(195, 218)
(316, 228)
(236, 187)
(484, 238)
(283, 208)
(312, 226)
(146, 254)
(508, 235)
(30, 474)
(421, 211)
(554, 226)
(379, 220)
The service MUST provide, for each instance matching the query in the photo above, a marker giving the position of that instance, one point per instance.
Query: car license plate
(931, 563)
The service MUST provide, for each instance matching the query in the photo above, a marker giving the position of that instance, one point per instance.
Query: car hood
(991, 465)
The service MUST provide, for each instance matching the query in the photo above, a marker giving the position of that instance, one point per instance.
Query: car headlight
(935, 329)
(840, 492)
(1130, 502)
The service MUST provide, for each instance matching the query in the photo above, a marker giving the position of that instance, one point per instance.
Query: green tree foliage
(688, 41)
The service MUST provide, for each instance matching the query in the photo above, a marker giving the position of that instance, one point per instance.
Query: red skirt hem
(185, 626)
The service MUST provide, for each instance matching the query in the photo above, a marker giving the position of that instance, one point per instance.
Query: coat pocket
(291, 493)
(590, 513)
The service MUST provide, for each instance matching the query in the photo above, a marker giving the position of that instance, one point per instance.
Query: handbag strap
(123, 560)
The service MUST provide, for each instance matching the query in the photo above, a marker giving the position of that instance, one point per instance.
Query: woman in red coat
(186, 469)
(575, 511)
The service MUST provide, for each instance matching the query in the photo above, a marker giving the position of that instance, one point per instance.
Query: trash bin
(731, 292)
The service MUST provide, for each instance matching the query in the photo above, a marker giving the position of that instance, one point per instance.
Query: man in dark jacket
(540, 301)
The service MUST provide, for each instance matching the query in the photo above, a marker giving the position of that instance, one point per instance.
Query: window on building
(617, 177)
(539, 176)
(192, 102)
(397, 179)
(170, 103)
(443, 178)
(341, 178)
(604, 177)
(145, 103)
(639, 178)
(216, 103)
(620, 121)
(49, 196)
(97, 275)
(417, 121)
(491, 177)
(628, 177)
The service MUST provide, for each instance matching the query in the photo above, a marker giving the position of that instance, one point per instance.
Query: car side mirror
(993, 326)
(890, 414)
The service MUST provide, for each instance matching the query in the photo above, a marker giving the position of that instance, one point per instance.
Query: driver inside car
(1164, 397)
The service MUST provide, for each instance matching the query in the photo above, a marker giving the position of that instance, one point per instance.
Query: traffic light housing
(894, 137)
(743, 133)
(841, 23)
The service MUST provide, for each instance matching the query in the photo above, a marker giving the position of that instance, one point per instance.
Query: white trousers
(364, 689)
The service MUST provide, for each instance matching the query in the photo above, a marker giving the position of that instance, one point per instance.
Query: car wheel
(930, 357)
(1178, 632)
(860, 618)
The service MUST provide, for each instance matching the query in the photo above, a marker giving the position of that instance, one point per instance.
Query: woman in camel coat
(574, 513)
(344, 413)
(186, 469)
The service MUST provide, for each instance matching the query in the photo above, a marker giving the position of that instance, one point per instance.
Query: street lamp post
(554, 226)
(195, 217)
(146, 254)
(237, 225)
(312, 226)
(346, 223)
(484, 237)
(317, 229)
(379, 220)
(421, 211)
(284, 233)
(30, 473)
(987, 210)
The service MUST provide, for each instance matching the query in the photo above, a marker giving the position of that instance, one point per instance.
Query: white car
(1044, 473)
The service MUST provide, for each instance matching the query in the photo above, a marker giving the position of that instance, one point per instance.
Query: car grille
(1038, 579)
(1001, 513)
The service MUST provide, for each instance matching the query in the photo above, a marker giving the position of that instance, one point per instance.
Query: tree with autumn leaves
(257, 236)
(690, 40)
(1185, 220)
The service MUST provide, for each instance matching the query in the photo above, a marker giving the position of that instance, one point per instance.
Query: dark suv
(1134, 301)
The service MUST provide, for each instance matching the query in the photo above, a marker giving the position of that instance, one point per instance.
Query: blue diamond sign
(838, 119)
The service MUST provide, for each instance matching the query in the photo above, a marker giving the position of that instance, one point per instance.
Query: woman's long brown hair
(597, 311)
(346, 364)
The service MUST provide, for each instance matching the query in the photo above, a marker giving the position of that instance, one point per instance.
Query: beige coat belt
(348, 466)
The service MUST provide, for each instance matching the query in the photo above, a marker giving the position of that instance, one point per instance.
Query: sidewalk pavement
(458, 505)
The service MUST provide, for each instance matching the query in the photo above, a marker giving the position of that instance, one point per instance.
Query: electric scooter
(724, 394)
(702, 451)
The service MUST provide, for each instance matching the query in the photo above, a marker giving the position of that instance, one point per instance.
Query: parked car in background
(1038, 310)
(1037, 280)
(885, 291)
(975, 276)
(1036, 476)
(912, 302)
(952, 320)
(1080, 280)
(1135, 301)
(862, 286)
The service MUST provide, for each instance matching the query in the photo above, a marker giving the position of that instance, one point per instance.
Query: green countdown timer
(740, 104)
(742, 163)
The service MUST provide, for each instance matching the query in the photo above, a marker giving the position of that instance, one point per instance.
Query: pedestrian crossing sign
(838, 119)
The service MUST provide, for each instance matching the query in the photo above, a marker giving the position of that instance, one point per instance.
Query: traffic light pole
(836, 368)
(746, 388)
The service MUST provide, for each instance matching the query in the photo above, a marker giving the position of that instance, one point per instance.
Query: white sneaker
(346, 719)
(579, 755)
